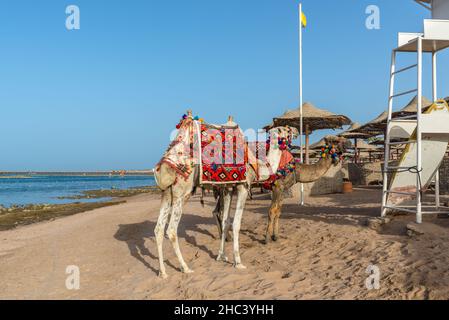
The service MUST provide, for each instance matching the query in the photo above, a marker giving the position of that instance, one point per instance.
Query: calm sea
(37, 189)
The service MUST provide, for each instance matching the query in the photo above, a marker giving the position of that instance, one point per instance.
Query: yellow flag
(303, 20)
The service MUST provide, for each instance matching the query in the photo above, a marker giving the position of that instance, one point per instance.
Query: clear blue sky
(107, 96)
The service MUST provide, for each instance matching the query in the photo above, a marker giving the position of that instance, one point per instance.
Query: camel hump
(231, 122)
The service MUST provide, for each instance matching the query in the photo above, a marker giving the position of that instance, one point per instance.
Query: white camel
(175, 192)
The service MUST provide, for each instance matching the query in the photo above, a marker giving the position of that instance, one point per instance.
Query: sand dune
(323, 253)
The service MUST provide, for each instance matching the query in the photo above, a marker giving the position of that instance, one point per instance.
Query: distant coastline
(24, 174)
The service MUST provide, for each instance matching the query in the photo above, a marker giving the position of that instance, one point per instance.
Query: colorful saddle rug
(223, 155)
(180, 155)
(219, 151)
(287, 165)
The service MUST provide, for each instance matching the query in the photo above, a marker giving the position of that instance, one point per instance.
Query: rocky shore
(18, 215)
(114, 193)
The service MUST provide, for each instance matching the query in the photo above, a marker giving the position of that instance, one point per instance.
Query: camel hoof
(274, 238)
(240, 266)
(187, 270)
(163, 275)
(222, 258)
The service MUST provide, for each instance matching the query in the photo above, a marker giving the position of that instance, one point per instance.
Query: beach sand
(324, 251)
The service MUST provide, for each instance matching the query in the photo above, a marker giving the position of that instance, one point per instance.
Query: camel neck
(306, 173)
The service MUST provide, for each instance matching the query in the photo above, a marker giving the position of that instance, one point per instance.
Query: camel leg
(172, 232)
(217, 213)
(277, 213)
(274, 212)
(226, 223)
(242, 195)
(160, 227)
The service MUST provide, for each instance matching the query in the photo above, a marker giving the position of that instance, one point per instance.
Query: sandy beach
(323, 253)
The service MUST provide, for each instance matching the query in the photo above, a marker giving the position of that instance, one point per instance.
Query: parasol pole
(301, 129)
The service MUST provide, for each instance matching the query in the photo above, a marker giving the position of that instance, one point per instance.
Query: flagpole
(301, 128)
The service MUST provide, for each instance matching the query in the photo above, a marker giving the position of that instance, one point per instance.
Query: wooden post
(307, 144)
(356, 156)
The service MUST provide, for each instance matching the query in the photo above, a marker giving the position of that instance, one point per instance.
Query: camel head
(283, 135)
(334, 148)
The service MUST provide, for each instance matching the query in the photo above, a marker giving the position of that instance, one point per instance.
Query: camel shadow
(135, 235)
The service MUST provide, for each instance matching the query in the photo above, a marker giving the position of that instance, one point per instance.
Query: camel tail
(217, 197)
(203, 194)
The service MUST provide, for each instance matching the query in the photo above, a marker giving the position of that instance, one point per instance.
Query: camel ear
(295, 132)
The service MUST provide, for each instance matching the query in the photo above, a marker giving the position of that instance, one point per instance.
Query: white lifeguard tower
(426, 133)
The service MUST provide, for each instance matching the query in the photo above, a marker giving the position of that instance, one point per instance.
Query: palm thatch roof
(381, 143)
(325, 140)
(313, 118)
(354, 133)
(376, 126)
(363, 146)
(412, 107)
(296, 150)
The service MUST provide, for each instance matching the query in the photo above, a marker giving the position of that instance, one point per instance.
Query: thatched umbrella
(362, 146)
(325, 140)
(296, 151)
(313, 119)
(379, 125)
(354, 133)
(412, 107)
(317, 145)
(376, 126)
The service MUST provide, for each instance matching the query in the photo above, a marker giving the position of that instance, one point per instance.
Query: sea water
(39, 189)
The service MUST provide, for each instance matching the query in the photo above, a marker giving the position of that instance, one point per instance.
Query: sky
(107, 96)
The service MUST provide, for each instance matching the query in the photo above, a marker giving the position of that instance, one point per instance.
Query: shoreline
(29, 174)
(21, 215)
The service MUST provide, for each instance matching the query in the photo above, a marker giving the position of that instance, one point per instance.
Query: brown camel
(303, 174)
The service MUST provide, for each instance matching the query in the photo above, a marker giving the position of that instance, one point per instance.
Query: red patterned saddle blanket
(223, 155)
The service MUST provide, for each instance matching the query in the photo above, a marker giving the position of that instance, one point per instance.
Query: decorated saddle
(218, 150)
(180, 154)
(223, 156)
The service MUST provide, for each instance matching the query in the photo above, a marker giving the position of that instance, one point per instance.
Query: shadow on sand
(135, 235)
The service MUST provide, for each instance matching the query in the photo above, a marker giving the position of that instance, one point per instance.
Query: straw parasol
(317, 145)
(325, 140)
(354, 133)
(296, 151)
(379, 125)
(313, 119)
(412, 107)
(376, 126)
(364, 148)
